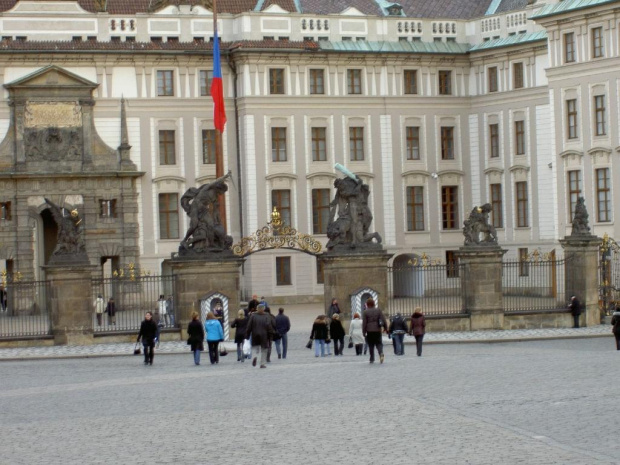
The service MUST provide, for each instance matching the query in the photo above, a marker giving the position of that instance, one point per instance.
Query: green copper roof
(394, 47)
(567, 6)
(517, 39)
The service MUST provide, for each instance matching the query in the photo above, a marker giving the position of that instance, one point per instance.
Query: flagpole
(219, 152)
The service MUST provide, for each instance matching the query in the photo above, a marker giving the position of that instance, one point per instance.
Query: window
(519, 137)
(278, 144)
(165, 83)
(574, 190)
(413, 143)
(598, 46)
(354, 81)
(447, 143)
(452, 264)
(319, 144)
(415, 208)
(320, 271)
(517, 75)
(569, 47)
(449, 207)
(320, 210)
(168, 216)
(494, 140)
(283, 271)
(445, 82)
(497, 215)
(208, 146)
(524, 265)
(571, 117)
(317, 81)
(167, 146)
(5, 211)
(356, 144)
(603, 195)
(492, 72)
(205, 82)
(107, 208)
(276, 81)
(599, 115)
(522, 205)
(281, 199)
(411, 81)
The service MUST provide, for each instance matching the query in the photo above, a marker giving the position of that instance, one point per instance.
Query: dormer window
(395, 10)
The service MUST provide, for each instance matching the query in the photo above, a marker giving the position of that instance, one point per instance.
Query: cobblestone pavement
(540, 402)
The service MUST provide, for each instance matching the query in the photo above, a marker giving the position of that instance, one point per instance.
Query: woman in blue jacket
(213, 328)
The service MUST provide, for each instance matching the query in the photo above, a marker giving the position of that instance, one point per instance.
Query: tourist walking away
(99, 308)
(259, 328)
(337, 333)
(252, 304)
(615, 321)
(398, 329)
(215, 334)
(333, 309)
(111, 311)
(418, 328)
(148, 332)
(162, 309)
(240, 324)
(319, 335)
(283, 326)
(196, 336)
(356, 335)
(575, 310)
(373, 325)
(273, 335)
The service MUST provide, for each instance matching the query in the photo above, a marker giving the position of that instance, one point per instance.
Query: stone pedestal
(481, 280)
(71, 299)
(197, 277)
(581, 269)
(346, 273)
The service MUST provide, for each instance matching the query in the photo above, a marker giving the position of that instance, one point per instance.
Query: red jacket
(418, 325)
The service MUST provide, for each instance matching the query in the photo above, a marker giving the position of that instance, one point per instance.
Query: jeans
(99, 318)
(149, 351)
(259, 353)
(399, 343)
(197, 356)
(338, 346)
(240, 356)
(214, 355)
(418, 344)
(575, 321)
(319, 343)
(284, 341)
(328, 345)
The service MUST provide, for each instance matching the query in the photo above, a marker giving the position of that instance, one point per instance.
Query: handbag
(309, 344)
(136, 349)
(223, 351)
(247, 348)
(350, 346)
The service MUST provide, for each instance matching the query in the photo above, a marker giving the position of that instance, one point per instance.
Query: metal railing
(134, 296)
(25, 309)
(534, 285)
(437, 289)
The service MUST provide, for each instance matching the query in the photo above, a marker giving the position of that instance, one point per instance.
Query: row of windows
(597, 45)
(599, 117)
(107, 209)
(165, 83)
(603, 193)
(518, 81)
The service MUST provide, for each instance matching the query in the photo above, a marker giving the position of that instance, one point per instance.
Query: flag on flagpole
(217, 88)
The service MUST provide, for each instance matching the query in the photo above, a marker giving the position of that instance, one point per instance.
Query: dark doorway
(50, 234)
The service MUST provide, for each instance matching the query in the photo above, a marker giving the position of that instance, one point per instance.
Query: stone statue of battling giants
(478, 223)
(351, 228)
(70, 238)
(205, 233)
(580, 220)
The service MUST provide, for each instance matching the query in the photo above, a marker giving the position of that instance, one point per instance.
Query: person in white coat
(355, 333)
(99, 308)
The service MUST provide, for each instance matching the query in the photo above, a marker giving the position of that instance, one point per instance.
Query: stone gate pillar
(197, 277)
(581, 269)
(482, 286)
(345, 273)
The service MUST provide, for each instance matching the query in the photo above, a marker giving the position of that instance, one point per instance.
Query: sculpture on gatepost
(478, 223)
(580, 220)
(351, 227)
(70, 238)
(206, 233)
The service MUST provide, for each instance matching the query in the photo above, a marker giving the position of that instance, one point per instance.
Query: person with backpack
(615, 321)
(398, 328)
(337, 333)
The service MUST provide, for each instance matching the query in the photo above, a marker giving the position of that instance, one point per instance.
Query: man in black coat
(283, 326)
(259, 330)
(575, 310)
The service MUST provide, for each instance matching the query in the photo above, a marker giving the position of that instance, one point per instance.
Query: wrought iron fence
(534, 284)
(436, 288)
(133, 296)
(609, 276)
(25, 308)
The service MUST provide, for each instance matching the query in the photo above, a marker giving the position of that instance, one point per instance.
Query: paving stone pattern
(540, 402)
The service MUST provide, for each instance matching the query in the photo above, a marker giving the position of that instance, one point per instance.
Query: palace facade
(439, 106)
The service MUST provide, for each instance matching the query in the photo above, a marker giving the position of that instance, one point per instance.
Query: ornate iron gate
(609, 275)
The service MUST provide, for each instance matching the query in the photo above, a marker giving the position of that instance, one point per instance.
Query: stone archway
(408, 280)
